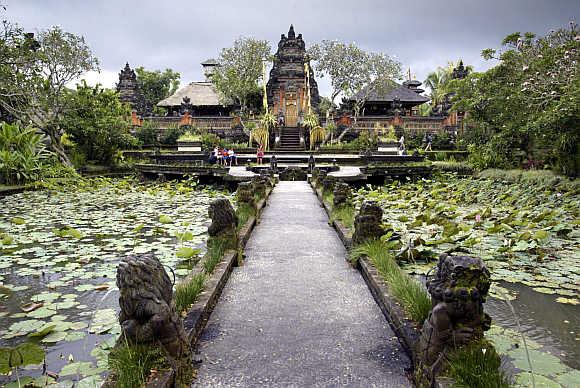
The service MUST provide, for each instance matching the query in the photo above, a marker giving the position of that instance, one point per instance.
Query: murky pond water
(59, 255)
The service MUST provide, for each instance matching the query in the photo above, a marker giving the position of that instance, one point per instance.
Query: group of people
(223, 157)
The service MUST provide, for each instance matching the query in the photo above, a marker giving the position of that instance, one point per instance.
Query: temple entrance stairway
(296, 313)
(290, 139)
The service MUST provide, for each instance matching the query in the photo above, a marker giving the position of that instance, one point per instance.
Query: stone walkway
(296, 314)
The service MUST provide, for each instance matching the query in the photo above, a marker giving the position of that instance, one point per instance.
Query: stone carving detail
(245, 193)
(293, 174)
(223, 218)
(328, 183)
(368, 224)
(341, 194)
(148, 312)
(129, 91)
(259, 186)
(458, 290)
(288, 74)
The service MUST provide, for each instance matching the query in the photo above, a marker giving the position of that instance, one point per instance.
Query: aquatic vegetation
(477, 366)
(132, 364)
(526, 233)
(58, 261)
(525, 227)
(344, 214)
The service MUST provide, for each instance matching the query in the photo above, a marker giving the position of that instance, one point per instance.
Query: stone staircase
(290, 140)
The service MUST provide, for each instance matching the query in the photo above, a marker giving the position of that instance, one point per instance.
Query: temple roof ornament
(459, 72)
(129, 90)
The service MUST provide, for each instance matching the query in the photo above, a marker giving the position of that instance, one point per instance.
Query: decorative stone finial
(291, 34)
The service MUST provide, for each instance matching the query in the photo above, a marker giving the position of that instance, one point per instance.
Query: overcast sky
(180, 34)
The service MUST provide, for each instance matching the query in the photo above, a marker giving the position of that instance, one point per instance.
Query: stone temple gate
(287, 86)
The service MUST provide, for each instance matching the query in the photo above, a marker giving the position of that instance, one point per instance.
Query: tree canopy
(97, 122)
(353, 72)
(156, 85)
(34, 74)
(529, 102)
(240, 70)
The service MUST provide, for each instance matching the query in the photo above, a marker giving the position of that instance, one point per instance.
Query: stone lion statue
(368, 224)
(223, 217)
(458, 290)
(148, 312)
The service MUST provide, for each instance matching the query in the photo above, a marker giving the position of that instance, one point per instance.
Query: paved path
(296, 314)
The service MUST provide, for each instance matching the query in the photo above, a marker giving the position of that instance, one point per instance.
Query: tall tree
(528, 104)
(97, 122)
(353, 72)
(156, 85)
(240, 70)
(34, 74)
(439, 83)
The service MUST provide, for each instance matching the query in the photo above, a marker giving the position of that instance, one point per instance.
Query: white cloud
(107, 78)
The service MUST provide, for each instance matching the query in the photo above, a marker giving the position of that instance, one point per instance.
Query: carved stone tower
(129, 90)
(287, 86)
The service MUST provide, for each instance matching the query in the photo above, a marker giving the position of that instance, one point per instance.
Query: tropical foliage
(240, 70)
(21, 154)
(526, 109)
(97, 122)
(34, 74)
(156, 85)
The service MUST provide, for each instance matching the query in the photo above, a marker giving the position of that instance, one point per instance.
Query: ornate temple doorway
(291, 113)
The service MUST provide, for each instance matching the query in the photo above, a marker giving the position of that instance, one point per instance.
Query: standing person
(260, 154)
(218, 155)
(401, 144)
(232, 157)
(429, 141)
(225, 156)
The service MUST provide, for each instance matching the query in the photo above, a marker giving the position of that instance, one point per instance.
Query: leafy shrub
(97, 123)
(21, 153)
(172, 134)
(147, 133)
(189, 136)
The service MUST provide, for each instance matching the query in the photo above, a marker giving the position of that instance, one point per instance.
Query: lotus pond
(59, 253)
(528, 233)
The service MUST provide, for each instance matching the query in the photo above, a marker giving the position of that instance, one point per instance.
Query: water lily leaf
(25, 354)
(55, 336)
(103, 321)
(77, 368)
(525, 380)
(186, 236)
(541, 235)
(187, 252)
(75, 336)
(45, 330)
(567, 301)
(43, 312)
(25, 327)
(569, 379)
(67, 231)
(138, 228)
(542, 363)
(165, 219)
(17, 221)
(6, 239)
